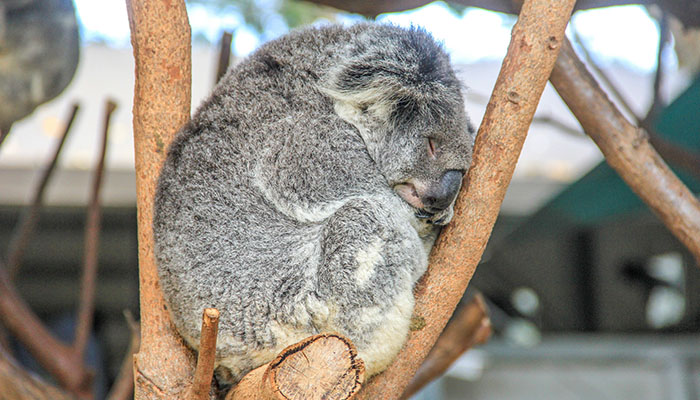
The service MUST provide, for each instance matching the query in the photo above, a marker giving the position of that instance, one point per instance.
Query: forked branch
(627, 150)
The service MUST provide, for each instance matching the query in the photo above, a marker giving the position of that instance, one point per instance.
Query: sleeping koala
(305, 194)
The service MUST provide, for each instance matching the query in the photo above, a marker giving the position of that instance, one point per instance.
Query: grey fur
(278, 203)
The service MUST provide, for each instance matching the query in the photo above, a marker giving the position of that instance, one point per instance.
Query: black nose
(440, 195)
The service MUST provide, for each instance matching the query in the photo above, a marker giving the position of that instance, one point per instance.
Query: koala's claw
(423, 214)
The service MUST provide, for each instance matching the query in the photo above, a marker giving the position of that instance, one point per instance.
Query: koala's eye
(432, 148)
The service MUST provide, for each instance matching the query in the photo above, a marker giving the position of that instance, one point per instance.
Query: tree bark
(627, 150)
(535, 43)
(160, 36)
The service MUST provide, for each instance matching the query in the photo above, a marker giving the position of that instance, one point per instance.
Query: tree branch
(534, 46)
(57, 358)
(123, 387)
(86, 306)
(627, 150)
(30, 216)
(679, 156)
(469, 327)
(18, 384)
(160, 36)
(206, 356)
(224, 56)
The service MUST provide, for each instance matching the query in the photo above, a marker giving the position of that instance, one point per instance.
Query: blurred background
(590, 296)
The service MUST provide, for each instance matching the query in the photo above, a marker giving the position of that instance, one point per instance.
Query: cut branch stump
(324, 366)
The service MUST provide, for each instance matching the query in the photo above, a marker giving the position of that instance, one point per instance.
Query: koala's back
(265, 189)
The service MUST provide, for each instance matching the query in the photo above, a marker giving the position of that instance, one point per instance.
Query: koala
(306, 192)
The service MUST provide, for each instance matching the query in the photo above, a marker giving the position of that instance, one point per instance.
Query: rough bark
(160, 36)
(323, 366)
(627, 150)
(535, 43)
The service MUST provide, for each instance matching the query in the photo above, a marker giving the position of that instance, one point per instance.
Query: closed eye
(432, 148)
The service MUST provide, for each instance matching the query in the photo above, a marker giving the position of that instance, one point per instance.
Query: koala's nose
(440, 195)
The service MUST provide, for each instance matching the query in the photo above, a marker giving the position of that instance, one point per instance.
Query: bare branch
(658, 102)
(160, 37)
(30, 216)
(86, 307)
(207, 355)
(470, 327)
(18, 384)
(224, 55)
(535, 43)
(627, 150)
(57, 358)
(123, 387)
(679, 156)
(549, 120)
(605, 79)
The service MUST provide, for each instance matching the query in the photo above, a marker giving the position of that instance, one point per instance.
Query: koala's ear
(361, 95)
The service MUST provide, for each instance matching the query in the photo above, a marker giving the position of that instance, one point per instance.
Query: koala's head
(397, 87)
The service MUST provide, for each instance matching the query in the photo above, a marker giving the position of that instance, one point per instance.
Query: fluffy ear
(362, 96)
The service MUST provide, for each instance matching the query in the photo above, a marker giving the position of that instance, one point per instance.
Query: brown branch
(534, 46)
(204, 371)
(604, 77)
(323, 366)
(57, 358)
(658, 102)
(25, 227)
(86, 307)
(224, 55)
(123, 387)
(160, 37)
(17, 384)
(686, 159)
(627, 150)
(469, 327)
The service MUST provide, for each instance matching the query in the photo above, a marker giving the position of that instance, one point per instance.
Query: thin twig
(204, 371)
(604, 78)
(658, 102)
(30, 216)
(677, 155)
(123, 387)
(627, 150)
(562, 127)
(16, 383)
(86, 307)
(58, 359)
(224, 55)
